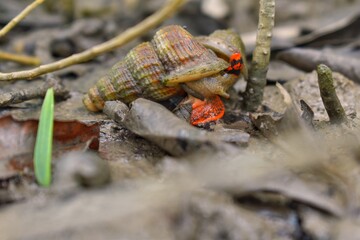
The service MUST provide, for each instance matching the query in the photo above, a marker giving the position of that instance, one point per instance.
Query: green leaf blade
(44, 139)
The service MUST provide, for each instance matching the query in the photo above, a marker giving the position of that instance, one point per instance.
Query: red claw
(207, 111)
(236, 64)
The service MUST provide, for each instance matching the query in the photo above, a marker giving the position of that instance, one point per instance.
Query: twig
(130, 34)
(9, 98)
(328, 95)
(257, 76)
(23, 59)
(308, 114)
(19, 17)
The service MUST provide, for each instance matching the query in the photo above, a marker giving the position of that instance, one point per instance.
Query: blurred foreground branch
(19, 17)
(253, 95)
(141, 28)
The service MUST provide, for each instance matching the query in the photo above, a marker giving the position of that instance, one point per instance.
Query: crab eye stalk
(237, 64)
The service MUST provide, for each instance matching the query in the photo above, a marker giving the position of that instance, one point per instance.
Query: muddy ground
(283, 172)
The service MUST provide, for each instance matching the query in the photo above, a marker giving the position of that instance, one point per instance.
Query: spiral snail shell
(172, 62)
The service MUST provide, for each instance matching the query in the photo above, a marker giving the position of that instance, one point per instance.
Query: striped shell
(144, 70)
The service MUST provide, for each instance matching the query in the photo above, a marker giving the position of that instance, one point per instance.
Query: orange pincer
(207, 111)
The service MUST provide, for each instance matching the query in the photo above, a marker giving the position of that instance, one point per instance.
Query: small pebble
(217, 9)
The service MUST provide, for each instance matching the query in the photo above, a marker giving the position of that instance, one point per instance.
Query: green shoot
(44, 138)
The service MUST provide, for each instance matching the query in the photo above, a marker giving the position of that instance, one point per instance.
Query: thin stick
(259, 65)
(23, 59)
(130, 34)
(19, 17)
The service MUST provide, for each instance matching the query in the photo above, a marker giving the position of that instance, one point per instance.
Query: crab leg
(206, 111)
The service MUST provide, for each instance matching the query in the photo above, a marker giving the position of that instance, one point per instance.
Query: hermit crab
(172, 63)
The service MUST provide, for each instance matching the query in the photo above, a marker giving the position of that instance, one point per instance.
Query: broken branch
(328, 95)
(14, 97)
